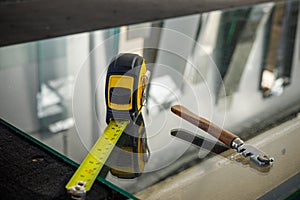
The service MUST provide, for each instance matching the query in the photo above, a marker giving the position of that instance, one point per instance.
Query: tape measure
(125, 95)
(126, 82)
(96, 158)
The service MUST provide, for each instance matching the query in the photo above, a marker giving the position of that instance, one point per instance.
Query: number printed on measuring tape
(96, 158)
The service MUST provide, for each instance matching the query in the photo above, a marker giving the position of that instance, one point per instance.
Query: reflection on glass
(280, 35)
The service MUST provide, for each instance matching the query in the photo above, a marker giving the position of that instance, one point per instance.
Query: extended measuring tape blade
(96, 158)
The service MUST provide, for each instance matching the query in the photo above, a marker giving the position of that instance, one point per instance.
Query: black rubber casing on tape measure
(123, 95)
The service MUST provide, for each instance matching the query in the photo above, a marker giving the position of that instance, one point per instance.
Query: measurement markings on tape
(96, 158)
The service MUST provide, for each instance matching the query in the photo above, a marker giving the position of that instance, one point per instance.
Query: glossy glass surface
(238, 68)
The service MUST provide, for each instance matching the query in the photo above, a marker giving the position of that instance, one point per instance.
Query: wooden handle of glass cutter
(223, 135)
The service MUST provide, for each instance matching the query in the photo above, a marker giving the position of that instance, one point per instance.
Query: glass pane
(238, 68)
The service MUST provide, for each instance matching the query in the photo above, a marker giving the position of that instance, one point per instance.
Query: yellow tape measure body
(96, 158)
